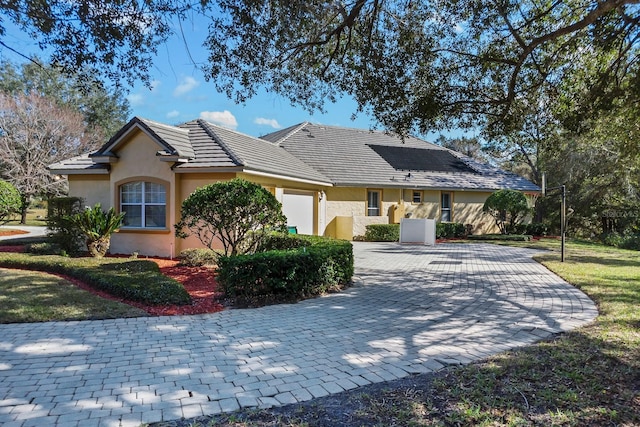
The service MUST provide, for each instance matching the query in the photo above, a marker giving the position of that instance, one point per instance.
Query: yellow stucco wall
(92, 188)
(467, 209)
(429, 208)
(138, 162)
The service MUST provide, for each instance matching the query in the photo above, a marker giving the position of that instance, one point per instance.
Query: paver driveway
(413, 309)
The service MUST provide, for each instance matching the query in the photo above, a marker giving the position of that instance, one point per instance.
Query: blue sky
(180, 93)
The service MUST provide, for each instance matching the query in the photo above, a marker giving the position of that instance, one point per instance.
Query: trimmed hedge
(503, 237)
(293, 266)
(534, 229)
(448, 230)
(134, 280)
(391, 232)
(382, 233)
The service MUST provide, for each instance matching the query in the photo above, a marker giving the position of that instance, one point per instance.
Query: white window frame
(448, 209)
(377, 209)
(143, 205)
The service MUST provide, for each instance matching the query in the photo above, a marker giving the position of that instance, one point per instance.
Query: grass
(27, 296)
(588, 377)
(131, 279)
(35, 217)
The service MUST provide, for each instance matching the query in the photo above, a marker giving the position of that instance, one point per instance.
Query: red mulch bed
(12, 232)
(199, 282)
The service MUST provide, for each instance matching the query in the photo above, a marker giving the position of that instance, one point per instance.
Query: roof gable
(173, 141)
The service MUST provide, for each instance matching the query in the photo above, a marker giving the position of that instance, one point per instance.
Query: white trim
(289, 178)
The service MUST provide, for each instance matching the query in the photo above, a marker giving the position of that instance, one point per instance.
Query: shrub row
(292, 266)
(448, 230)
(382, 233)
(623, 241)
(134, 280)
(391, 232)
(504, 237)
(533, 229)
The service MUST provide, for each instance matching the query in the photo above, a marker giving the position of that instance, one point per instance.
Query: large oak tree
(416, 65)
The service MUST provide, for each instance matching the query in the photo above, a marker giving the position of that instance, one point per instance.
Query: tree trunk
(98, 248)
(24, 208)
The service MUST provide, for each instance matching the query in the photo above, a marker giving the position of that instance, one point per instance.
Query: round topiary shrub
(10, 201)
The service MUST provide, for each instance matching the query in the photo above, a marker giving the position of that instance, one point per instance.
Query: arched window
(145, 204)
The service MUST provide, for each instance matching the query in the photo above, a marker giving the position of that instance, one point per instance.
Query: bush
(138, 280)
(97, 226)
(10, 201)
(44, 248)
(294, 267)
(382, 233)
(622, 240)
(448, 230)
(237, 213)
(503, 237)
(197, 257)
(63, 232)
(508, 208)
(534, 229)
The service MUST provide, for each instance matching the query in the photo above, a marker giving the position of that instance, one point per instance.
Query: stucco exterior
(316, 172)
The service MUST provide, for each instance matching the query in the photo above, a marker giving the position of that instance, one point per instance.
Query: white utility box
(418, 230)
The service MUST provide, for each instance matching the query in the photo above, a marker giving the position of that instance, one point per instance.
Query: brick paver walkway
(413, 309)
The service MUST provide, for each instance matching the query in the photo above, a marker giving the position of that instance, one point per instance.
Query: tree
(10, 201)
(470, 147)
(97, 227)
(34, 133)
(415, 65)
(508, 208)
(237, 213)
(423, 65)
(104, 110)
(117, 39)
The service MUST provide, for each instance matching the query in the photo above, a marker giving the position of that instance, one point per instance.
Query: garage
(297, 206)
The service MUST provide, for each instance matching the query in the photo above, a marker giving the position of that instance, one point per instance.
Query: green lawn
(35, 217)
(27, 296)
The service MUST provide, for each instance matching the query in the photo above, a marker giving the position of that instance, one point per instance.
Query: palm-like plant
(97, 226)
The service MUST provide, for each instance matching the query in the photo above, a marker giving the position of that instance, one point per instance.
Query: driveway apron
(412, 309)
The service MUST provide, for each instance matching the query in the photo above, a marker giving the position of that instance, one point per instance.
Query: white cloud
(154, 85)
(186, 85)
(172, 114)
(135, 99)
(222, 118)
(267, 122)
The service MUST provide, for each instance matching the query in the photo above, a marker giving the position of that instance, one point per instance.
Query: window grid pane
(144, 204)
(373, 203)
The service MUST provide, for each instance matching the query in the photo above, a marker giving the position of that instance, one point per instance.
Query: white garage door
(298, 208)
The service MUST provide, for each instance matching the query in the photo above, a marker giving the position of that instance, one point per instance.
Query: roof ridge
(209, 129)
(295, 129)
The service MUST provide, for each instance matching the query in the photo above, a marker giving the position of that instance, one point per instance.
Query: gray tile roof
(78, 164)
(218, 146)
(175, 140)
(325, 154)
(348, 158)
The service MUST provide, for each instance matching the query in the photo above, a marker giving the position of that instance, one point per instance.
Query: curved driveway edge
(414, 309)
